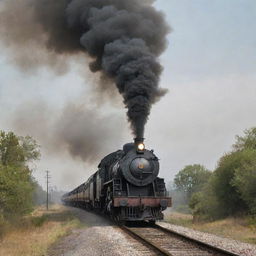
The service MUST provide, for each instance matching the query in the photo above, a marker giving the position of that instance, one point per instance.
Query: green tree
(191, 179)
(231, 189)
(16, 191)
(30, 148)
(205, 204)
(16, 150)
(227, 194)
(248, 141)
(244, 179)
(16, 182)
(11, 153)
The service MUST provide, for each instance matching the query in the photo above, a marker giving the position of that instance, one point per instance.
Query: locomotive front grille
(131, 212)
(136, 213)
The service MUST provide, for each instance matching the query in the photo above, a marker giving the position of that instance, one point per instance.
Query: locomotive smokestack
(138, 140)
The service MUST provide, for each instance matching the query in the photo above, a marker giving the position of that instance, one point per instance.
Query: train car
(126, 186)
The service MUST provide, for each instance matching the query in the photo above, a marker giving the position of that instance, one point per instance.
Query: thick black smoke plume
(123, 38)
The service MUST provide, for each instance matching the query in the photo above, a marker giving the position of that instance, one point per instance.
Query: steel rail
(146, 242)
(201, 243)
(161, 251)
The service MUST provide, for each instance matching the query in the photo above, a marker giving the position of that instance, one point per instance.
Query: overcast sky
(210, 73)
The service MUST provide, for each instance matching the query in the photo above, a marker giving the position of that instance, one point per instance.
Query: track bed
(166, 242)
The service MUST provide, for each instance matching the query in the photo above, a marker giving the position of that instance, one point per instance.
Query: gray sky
(210, 73)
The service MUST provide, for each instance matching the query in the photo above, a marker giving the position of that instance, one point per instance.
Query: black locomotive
(126, 186)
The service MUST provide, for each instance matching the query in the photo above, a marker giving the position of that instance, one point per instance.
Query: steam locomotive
(126, 186)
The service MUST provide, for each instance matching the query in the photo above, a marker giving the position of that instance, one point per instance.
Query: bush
(228, 196)
(245, 179)
(39, 221)
(204, 204)
(231, 190)
(16, 191)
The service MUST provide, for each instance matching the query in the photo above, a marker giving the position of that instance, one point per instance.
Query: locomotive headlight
(141, 147)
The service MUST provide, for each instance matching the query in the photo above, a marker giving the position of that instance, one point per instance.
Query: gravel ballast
(99, 237)
(239, 248)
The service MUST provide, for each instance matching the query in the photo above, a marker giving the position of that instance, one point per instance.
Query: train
(126, 186)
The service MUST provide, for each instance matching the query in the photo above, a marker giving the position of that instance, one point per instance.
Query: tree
(11, 152)
(16, 182)
(227, 194)
(244, 179)
(245, 174)
(231, 189)
(16, 150)
(191, 179)
(30, 148)
(205, 204)
(248, 141)
(15, 191)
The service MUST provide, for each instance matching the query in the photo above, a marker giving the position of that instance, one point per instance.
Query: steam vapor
(122, 38)
(78, 130)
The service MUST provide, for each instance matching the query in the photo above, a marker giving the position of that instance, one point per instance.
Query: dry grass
(38, 232)
(242, 229)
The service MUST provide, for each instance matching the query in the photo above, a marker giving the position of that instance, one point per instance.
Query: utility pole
(47, 190)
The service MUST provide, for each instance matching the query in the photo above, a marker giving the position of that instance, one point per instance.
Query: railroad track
(167, 242)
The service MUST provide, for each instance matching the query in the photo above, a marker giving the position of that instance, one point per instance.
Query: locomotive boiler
(126, 186)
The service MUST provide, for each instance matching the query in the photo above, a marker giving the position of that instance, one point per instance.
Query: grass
(242, 228)
(34, 234)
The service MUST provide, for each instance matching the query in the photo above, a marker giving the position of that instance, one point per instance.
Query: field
(34, 234)
(240, 228)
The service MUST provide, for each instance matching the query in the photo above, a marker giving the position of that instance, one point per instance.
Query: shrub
(204, 204)
(39, 221)
(15, 191)
(231, 190)
(245, 179)
(228, 196)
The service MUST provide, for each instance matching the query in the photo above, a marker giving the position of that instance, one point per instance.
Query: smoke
(81, 131)
(86, 134)
(123, 39)
(26, 39)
